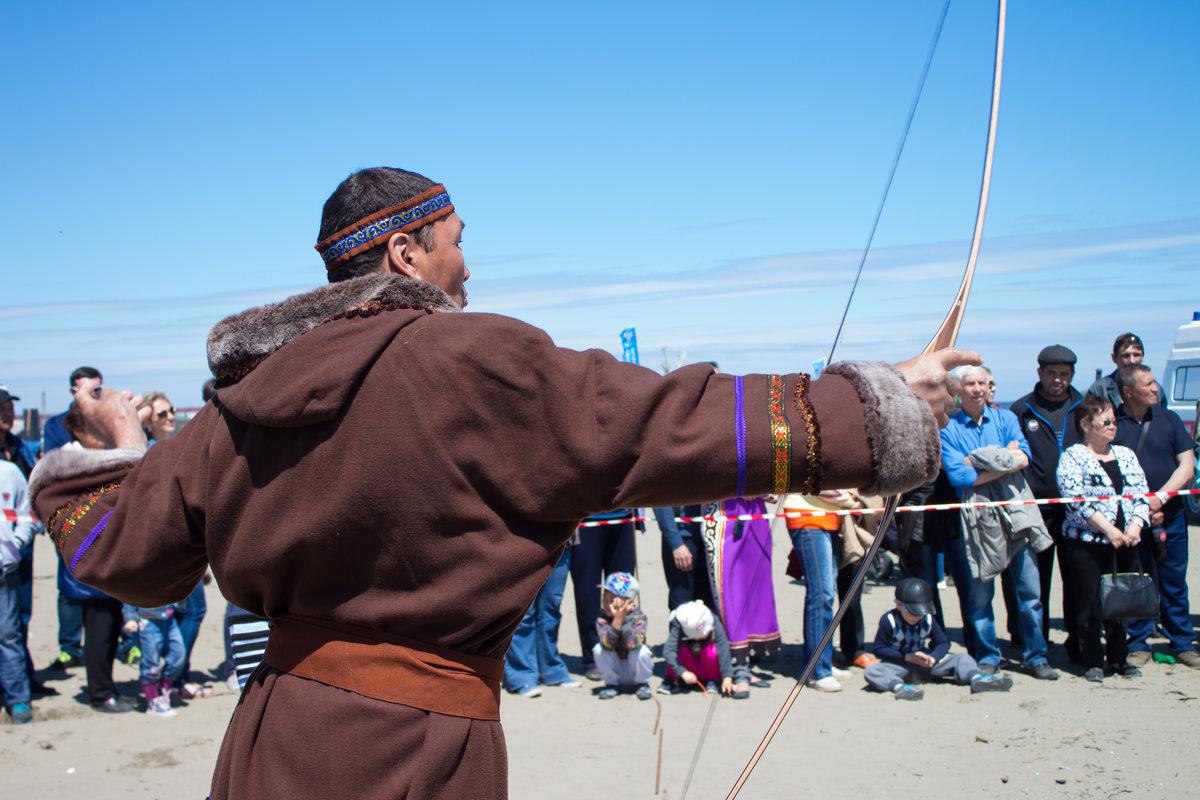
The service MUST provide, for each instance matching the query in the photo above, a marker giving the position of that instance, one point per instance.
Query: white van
(1182, 377)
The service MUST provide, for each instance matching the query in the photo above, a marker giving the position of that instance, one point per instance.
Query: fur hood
(237, 343)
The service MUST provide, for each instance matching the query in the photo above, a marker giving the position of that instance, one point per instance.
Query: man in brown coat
(395, 569)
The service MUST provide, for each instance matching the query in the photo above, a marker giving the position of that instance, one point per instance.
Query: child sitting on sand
(913, 646)
(622, 656)
(697, 653)
(162, 648)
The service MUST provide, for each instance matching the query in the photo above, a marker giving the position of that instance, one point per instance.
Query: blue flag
(629, 346)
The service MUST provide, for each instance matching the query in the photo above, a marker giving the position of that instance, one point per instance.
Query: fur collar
(248, 337)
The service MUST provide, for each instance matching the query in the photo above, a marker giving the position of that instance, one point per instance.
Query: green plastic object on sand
(1163, 658)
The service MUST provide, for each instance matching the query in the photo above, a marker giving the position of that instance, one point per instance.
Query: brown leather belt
(387, 667)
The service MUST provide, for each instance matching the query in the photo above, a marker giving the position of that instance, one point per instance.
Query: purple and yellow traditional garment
(739, 566)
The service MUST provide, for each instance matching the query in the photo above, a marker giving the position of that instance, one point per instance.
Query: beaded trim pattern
(739, 426)
(781, 435)
(429, 206)
(76, 511)
(812, 484)
(89, 540)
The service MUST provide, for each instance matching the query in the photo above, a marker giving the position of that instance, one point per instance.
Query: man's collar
(1122, 411)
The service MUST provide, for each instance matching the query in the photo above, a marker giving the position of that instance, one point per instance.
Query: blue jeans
(533, 656)
(190, 614)
(815, 549)
(1024, 574)
(14, 680)
(70, 626)
(1170, 574)
(162, 651)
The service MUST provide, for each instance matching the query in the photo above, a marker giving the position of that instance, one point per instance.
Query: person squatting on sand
(395, 568)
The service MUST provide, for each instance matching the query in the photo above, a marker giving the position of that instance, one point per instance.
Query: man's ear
(398, 255)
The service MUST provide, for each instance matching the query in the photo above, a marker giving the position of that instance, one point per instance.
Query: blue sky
(706, 175)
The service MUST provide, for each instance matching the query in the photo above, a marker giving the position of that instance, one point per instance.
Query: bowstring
(887, 186)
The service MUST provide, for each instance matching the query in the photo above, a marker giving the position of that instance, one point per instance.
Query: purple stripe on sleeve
(739, 426)
(88, 540)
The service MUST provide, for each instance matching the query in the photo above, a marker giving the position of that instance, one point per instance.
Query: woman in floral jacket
(1100, 532)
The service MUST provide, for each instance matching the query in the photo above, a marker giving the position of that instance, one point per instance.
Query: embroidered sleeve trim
(739, 423)
(89, 540)
(781, 436)
(815, 477)
(72, 512)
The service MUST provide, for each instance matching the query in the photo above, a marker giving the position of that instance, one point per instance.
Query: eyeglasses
(163, 414)
(991, 384)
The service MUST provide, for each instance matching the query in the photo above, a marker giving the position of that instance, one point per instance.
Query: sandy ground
(1069, 738)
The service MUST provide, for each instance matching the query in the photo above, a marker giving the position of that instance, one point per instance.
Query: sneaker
(1138, 658)
(592, 673)
(740, 694)
(826, 684)
(643, 692)
(569, 683)
(607, 693)
(990, 683)
(1094, 674)
(1043, 672)
(711, 687)
(841, 673)
(533, 690)
(231, 683)
(668, 687)
(160, 707)
(117, 704)
(864, 660)
(20, 713)
(133, 656)
(987, 668)
(906, 691)
(64, 661)
(1125, 670)
(1189, 658)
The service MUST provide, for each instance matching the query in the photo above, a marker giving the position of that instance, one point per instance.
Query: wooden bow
(945, 337)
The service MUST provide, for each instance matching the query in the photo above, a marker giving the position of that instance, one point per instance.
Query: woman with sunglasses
(1098, 529)
(161, 424)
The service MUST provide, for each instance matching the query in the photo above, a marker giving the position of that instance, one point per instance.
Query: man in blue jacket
(1047, 417)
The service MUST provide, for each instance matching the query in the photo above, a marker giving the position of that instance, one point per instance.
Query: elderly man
(1164, 449)
(976, 426)
(1047, 420)
(395, 569)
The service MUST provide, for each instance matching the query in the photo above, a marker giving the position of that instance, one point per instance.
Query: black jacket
(1043, 441)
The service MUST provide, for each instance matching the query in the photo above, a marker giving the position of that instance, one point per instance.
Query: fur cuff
(69, 462)
(905, 444)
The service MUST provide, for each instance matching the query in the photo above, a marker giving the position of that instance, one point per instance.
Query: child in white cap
(697, 653)
(624, 660)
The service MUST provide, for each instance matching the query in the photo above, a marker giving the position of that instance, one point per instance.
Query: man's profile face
(974, 392)
(444, 266)
(1054, 380)
(6, 417)
(1144, 391)
(1129, 354)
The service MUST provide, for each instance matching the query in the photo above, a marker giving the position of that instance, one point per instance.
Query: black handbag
(1128, 595)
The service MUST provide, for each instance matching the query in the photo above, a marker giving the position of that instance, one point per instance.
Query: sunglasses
(1107, 423)
(163, 414)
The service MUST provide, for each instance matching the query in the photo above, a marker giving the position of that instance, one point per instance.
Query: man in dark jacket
(1048, 421)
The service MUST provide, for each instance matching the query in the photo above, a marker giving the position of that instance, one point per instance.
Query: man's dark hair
(361, 195)
(84, 372)
(1127, 377)
(1126, 339)
(1088, 409)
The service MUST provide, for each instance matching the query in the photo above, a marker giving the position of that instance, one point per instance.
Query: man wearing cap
(395, 572)
(1127, 349)
(974, 427)
(1164, 450)
(1048, 421)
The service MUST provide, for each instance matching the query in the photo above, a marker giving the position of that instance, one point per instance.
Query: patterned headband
(429, 206)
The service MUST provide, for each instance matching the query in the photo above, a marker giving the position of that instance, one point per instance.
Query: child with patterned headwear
(622, 656)
(697, 653)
